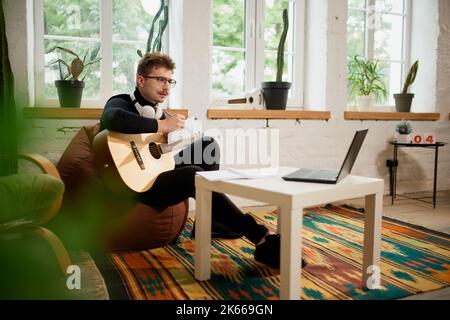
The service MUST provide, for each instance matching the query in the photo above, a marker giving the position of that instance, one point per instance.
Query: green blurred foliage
(8, 112)
(29, 269)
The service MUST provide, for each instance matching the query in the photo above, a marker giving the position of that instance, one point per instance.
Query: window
(245, 42)
(121, 27)
(379, 29)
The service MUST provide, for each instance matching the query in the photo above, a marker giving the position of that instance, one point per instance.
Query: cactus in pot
(275, 93)
(280, 51)
(403, 100)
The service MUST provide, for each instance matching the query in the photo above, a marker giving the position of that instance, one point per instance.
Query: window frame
(369, 37)
(254, 51)
(106, 53)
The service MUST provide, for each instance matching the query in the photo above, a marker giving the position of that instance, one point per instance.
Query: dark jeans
(175, 186)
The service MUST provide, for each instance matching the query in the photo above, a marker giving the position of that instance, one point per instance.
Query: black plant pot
(275, 94)
(403, 102)
(69, 93)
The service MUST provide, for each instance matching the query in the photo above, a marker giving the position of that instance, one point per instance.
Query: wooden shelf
(74, 113)
(354, 115)
(267, 114)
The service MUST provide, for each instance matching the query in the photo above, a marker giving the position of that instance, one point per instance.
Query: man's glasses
(162, 80)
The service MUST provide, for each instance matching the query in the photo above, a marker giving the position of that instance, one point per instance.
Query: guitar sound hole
(154, 150)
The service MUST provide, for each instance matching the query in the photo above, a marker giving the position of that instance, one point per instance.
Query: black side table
(396, 145)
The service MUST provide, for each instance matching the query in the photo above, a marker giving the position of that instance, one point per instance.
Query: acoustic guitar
(130, 163)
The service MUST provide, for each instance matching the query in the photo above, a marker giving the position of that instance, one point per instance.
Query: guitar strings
(154, 149)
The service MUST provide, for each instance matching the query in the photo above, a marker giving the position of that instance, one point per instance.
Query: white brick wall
(50, 137)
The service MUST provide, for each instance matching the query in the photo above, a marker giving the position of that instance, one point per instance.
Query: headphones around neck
(146, 111)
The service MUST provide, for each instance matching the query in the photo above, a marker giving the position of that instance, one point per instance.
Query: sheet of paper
(256, 173)
(233, 174)
(191, 128)
(189, 125)
(218, 175)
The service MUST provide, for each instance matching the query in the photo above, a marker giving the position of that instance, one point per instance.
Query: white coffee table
(291, 198)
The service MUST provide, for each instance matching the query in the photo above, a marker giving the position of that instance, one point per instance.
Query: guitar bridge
(137, 155)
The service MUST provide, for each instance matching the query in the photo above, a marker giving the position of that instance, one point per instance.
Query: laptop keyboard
(316, 174)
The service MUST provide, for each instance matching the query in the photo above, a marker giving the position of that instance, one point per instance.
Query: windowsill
(251, 114)
(73, 113)
(255, 114)
(387, 116)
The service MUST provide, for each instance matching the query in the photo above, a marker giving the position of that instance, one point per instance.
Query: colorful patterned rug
(413, 260)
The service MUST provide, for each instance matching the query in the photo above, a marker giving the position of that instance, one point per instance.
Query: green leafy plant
(280, 52)
(72, 69)
(403, 127)
(156, 44)
(365, 78)
(411, 77)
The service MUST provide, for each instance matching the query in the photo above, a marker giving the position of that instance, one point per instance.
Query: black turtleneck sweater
(121, 115)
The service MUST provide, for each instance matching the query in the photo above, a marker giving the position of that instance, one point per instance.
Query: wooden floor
(422, 214)
(416, 212)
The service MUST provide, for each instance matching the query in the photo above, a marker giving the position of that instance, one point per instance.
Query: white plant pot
(404, 138)
(365, 103)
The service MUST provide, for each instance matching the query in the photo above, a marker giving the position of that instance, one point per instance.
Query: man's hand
(171, 123)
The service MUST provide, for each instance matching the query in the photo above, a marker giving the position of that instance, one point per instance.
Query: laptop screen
(352, 153)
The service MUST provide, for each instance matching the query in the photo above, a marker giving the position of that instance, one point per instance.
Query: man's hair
(153, 60)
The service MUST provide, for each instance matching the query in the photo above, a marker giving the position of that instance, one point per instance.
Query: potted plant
(404, 129)
(275, 93)
(403, 100)
(70, 87)
(365, 82)
(156, 44)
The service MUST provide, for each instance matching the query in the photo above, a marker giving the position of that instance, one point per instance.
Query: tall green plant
(280, 53)
(8, 139)
(365, 78)
(156, 44)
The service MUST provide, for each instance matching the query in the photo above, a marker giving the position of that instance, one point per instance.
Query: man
(139, 113)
